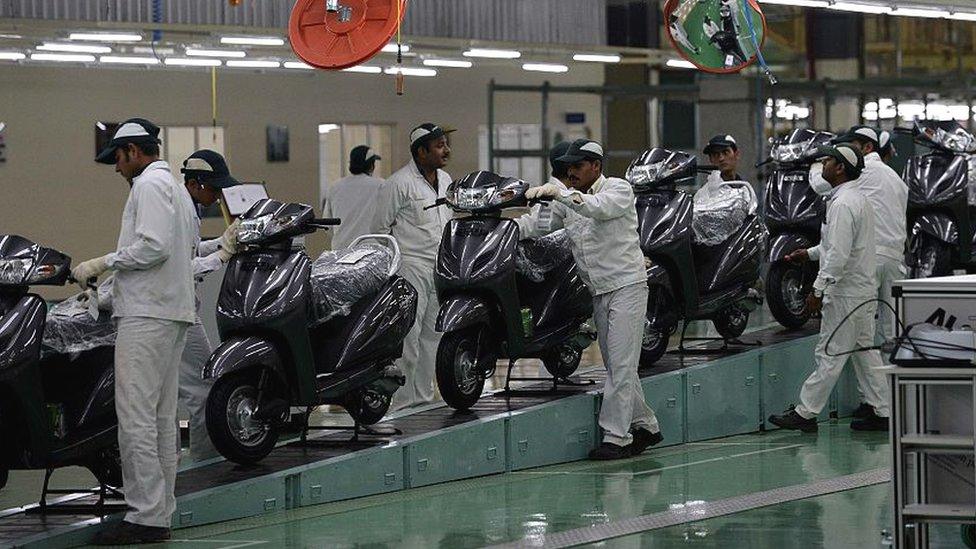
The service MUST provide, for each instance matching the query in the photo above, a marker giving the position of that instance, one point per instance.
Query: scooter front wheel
(460, 371)
(929, 257)
(654, 343)
(236, 434)
(786, 295)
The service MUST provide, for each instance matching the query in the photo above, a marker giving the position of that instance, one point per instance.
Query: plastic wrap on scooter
(340, 278)
(539, 256)
(972, 179)
(71, 330)
(720, 212)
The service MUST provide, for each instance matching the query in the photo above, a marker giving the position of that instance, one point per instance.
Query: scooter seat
(537, 257)
(340, 278)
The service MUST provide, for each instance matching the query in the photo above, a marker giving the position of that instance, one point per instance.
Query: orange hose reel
(331, 34)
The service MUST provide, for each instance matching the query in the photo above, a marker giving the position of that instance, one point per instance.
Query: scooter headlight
(647, 174)
(789, 152)
(479, 197)
(959, 140)
(252, 230)
(14, 272)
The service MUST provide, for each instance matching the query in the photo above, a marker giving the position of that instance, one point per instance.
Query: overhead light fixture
(596, 58)
(492, 54)
(252, 40)
(11, 56)
(917, 12)
(298, 65)
(326, 128)
(410, 71)
(680, 64)
(153, 51)
(455, 63)
(365, 69)
(63, 57)
(73, 48)
(545, 67)
(194, 52)
(392, 48)
(798, 3)
(254, 64)
(11, 36)
(128, 60)
(192, 62)
(105, 37)
(860, 8)
(963, 16)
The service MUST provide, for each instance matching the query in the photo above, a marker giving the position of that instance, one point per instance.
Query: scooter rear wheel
(230, 422)
(367, 406)
(731, 322)
(460, 371)
(785, 294)
(654, 344)
(562, 361)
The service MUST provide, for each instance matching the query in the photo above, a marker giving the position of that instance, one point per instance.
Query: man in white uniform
(600, 216)
(205, 175)
(845, 281)
(401, 212)
(152, 299)
(353, 198)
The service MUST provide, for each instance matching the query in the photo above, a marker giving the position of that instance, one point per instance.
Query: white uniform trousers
(420, 345)
(194, 391)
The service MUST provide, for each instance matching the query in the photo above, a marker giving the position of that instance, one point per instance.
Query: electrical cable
(755, 42)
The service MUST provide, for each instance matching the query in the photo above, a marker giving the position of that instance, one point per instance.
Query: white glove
(228, 241)
(86, 270)
(548, 190)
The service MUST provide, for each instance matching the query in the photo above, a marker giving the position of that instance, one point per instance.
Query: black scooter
(793, 213)
(689, 281)
(56, 409)
(502, 298)
(940, 213)
(275, 354)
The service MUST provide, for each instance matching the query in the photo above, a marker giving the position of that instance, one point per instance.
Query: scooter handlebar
(437, 204)
(325, 222)
(91, 283)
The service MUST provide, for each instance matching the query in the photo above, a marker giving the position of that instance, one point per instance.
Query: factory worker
(205, 175)
(401, 212)
(845, 281)
(723, 153)
(353, 198)
(600, 216)
(152, 300)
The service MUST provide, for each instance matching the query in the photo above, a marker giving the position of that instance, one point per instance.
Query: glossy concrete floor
(525, 506)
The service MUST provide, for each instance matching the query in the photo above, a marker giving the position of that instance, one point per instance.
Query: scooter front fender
(783, 244)
(657, 275)
(460, 312)
(937, 225)
(242, 353)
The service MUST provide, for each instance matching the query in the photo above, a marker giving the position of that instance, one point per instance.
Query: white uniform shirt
(888, 196)
(846, 250)
(401, 213)
(157, 241)
(602, 227)
(352, 199)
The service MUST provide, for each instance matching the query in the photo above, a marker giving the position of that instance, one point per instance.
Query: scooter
(941, 205)
(502, 298)
(56, 409)
(793, 213)
(689, 281)
(277, 352)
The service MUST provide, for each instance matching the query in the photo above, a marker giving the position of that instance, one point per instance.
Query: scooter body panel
(666, 233)
(790, 204)
(938, 201)
(239, 353)
(735, 262)
(783, 244)
(938, 225)
(559, 304)
(462, 311)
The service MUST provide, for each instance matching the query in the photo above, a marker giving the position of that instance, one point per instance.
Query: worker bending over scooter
(601, 218)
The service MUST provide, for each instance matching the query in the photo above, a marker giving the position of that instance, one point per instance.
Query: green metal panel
(723, 397)
(784, 369)
(466, 451)
(665, 394)
(355, 475)
(565, 430)
(244, 499)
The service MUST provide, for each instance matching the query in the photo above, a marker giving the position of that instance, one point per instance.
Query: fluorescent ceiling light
(544, 67)
(254, 64)
(11, 56)
(105, 37)
(492, 54)
(128, 60)
(366, 69)
(458, 64)
(153, 51)
(597, 57)
(63, 57)
(298, 65)
(963, 16)
(215, 53)
(190, 62)
(915, 12)
(680, 64)
(73, 48)
(326, 128)
(252, 40)
(860, 8)
(409, 71)
(11, 36)
(392, 48)
(799, 3)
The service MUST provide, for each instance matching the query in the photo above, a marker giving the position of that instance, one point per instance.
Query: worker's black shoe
(127, 533)
(863, 411)
(873, 422)
(792, 420)
(607, 451)
(644, 439)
